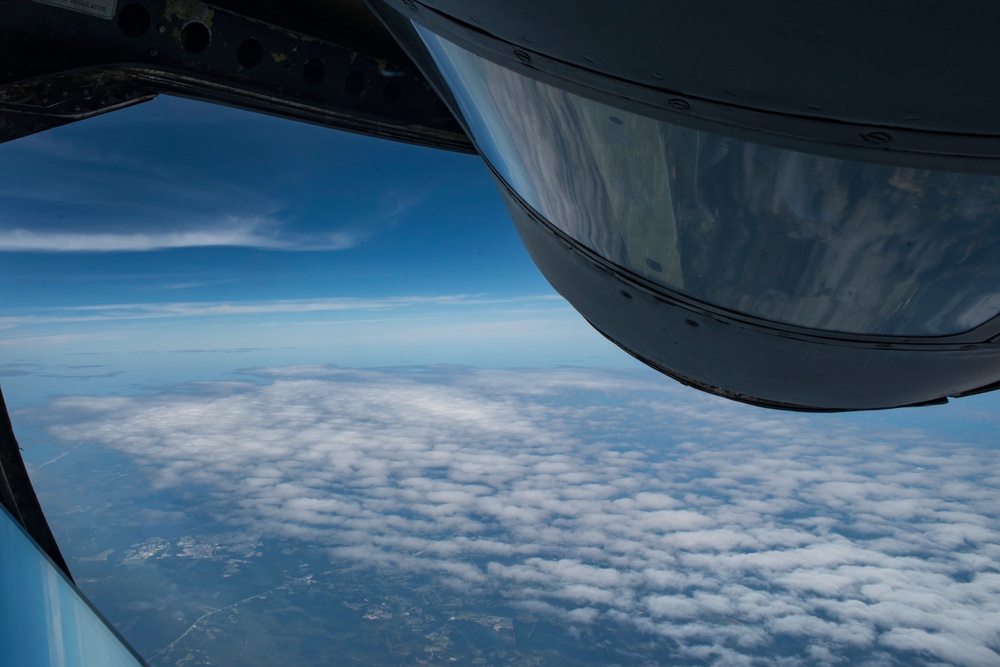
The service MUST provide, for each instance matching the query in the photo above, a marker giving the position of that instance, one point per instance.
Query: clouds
(174, 174)
(276, 307)
(234, 233)
(598, 497)
(97, 192)
(173, 216)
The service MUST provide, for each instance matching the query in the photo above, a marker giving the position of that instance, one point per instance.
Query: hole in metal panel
(195, 37)
(250, 52)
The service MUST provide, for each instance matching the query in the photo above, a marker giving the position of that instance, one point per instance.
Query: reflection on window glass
(785, 236)
(43, 620)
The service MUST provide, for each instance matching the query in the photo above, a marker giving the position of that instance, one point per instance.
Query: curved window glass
(43, 618)
(789, 237)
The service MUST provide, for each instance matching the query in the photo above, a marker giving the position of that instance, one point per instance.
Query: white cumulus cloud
(599, 495)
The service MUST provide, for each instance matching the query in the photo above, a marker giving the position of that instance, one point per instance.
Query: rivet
(153, 52)
(626, 294)
(657, 76)
(522, 56)
(691, 323)
(680, 104)
(161, 28)
(877, 137)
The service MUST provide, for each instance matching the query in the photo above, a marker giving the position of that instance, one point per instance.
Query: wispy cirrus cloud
(91, 193)
(245, 233)
(593, 497)
(195, 309)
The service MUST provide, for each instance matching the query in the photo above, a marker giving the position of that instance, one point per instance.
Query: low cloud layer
(592, 495)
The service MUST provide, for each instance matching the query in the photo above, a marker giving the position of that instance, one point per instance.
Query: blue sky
(178, 174)
(176, 227)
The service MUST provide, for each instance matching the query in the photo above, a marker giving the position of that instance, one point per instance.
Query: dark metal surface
(399, 24)
(896, 82)
(922, 65)
(334, 66)
(17, 494)
(725, 353)
(752, 363)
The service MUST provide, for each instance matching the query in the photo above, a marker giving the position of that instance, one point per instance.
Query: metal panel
(61, 65)
(743, 361)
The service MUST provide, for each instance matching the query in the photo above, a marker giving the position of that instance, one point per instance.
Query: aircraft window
(790, 237)
(50, 623)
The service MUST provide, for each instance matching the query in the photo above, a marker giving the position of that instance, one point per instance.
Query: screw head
(877, 137)
(679, 104)
(523, 56)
